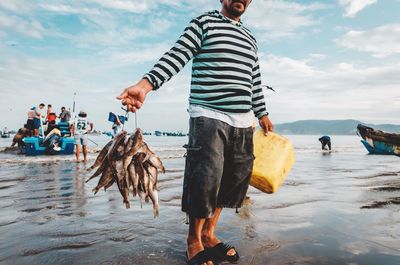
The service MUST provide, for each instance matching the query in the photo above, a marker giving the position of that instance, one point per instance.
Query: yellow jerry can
(274, 159)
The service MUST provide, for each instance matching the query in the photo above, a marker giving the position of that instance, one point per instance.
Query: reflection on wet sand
(336, 209)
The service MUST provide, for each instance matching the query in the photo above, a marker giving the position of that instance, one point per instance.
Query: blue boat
(379, 142)
(34, 146)
(65, 143)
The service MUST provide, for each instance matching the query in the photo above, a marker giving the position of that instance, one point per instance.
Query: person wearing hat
(79, 129)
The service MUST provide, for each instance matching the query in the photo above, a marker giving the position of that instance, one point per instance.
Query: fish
(156, 162)
(151, 156)
(133, 146)
(109, 184)
(134, 180)
(141, 174)
(153, 192)
(105, 178)
(102, 155)
(120, 137)
(102, 167)
(128, 161)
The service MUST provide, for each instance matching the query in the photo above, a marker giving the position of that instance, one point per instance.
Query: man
(225, 91)
(37, 121)
(325, 141)
(18, 138)
(30, 123)
(50, 117)
(117, 125)
(65, 115)
(79, 128)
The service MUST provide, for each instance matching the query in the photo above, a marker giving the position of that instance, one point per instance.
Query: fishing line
(126, 117)
(135, 120)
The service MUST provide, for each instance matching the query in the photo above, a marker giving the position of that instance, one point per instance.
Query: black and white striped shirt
(225, 73)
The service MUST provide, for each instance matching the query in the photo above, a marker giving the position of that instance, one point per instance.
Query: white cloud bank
(352, 7)
(340, 91)
(279, 19)
(380, 42)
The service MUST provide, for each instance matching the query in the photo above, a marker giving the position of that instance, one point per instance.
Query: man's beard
(234, 11)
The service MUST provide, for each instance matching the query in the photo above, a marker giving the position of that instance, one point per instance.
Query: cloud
(68, 9)
(28, 27)
(136, 6)
(380, 42)
(279, 19)
(17, 6)
(339, 91)
(139, 55)
(352, 7)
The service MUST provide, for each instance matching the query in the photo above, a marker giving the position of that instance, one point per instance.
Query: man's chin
(236, 11)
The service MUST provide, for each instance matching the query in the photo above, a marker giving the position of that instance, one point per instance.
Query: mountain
(330, 127)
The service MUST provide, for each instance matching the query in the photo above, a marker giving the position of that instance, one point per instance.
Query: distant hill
(332, 127)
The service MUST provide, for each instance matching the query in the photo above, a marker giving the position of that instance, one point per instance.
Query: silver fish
(153, 193)
(102, 155)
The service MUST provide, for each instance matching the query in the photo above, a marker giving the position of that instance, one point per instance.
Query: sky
(327, 59)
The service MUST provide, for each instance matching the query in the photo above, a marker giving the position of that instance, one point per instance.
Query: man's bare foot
(193, 249)
(211, 241)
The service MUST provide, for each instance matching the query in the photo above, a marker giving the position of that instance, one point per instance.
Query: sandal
(203, 256)
(220, 251)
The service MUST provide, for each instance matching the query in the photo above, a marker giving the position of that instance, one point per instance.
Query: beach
(341, 207)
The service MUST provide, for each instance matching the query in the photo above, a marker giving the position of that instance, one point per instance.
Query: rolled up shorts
(218, 166)
(80, 139)
(36, 123)
(30, 124)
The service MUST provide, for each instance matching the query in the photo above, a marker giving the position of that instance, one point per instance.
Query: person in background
(117, 125)
(79, 128)
(65, 115)
(50, 118)
(29, 123)
(37, 122)
(49, 110)
(325, 141)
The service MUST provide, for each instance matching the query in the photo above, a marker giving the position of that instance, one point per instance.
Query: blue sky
(336, 59)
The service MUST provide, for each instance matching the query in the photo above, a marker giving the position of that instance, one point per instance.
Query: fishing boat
(379, 142)
(57, 142)
(5, 135)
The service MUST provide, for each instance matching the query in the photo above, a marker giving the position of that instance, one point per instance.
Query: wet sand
(338, 208)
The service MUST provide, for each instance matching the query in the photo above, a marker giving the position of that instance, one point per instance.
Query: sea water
(341, 207)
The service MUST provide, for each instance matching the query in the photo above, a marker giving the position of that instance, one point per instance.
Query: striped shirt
(225, 72)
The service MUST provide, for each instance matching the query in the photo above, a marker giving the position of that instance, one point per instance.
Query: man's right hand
(133, 97)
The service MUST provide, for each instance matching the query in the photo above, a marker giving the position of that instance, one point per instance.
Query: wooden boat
(379, 142)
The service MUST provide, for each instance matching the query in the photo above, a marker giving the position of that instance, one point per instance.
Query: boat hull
(33, 147)
(381, 148)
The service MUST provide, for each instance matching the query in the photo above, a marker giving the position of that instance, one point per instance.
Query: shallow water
(334, 208)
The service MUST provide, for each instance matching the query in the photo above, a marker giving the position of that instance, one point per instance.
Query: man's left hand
(266, 124)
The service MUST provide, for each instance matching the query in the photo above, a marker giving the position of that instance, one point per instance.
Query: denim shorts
(218, 166)
(36, 123)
